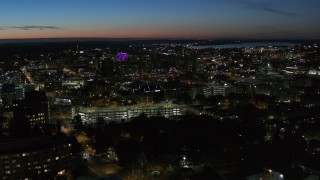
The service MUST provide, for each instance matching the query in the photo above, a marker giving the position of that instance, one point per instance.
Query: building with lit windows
(35, 107)
(36, 158)
(8, 94)
(12, 92)
(199, 65)
(215, 89)
(125, 113)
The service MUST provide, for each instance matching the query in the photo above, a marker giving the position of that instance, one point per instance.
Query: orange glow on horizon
(132, 32)
(114, 33)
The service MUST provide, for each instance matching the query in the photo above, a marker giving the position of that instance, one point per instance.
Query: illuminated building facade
(122, 56)
(36, 158)
(120, 114)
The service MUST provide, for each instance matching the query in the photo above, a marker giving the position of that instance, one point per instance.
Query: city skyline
(189, 19)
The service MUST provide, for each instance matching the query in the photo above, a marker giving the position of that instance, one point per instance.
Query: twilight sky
(212, 19)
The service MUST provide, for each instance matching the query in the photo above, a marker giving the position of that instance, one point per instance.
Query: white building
(125, 113)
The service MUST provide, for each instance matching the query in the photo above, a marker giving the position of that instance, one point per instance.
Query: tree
(101, 141)
(129, 152)
(99, 123)
(78, 122)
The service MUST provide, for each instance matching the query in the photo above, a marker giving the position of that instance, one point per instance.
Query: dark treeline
(237, 147)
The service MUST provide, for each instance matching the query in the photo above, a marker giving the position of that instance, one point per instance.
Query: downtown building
(11, 92)
(35, 107)
(213, 89)
(11, 96)
(36, 158)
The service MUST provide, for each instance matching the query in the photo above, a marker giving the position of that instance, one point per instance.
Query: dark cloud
(285, 13)
(265, 8)
(35, 27)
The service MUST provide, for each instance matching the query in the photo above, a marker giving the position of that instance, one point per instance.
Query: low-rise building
(125, 113)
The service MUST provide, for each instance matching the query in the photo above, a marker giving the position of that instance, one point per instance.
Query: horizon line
(159, 38)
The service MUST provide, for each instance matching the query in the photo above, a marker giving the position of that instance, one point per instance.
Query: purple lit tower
(122, 56)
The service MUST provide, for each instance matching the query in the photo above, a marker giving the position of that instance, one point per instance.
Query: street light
(281, 176)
